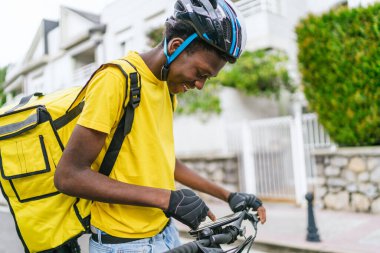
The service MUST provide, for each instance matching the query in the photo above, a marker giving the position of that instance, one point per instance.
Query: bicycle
(210, 236)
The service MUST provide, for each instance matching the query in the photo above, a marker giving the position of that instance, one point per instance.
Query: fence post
(248, 160)
(298, 152)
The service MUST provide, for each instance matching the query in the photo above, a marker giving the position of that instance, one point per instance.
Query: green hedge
(339, 59)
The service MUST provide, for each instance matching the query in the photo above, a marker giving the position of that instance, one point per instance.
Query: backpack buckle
(135, 90)
(135, 96)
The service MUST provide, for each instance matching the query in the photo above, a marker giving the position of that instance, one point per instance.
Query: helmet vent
(214, 3)
(227, 30)
(179, 7)
(196, 3)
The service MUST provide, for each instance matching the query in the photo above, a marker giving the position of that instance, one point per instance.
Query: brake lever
(238, 222)
(254, 219)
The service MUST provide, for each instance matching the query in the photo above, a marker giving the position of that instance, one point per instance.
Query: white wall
(194, 136)
(73, 26)
(318, 7)
(39, 51)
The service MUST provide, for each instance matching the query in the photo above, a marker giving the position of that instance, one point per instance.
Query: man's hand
(186, 207)
(239, 201)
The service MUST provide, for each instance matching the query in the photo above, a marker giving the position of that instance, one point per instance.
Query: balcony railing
(83, 73)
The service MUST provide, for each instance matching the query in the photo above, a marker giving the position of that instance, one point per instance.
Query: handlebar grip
(223, 238)
(190, 247)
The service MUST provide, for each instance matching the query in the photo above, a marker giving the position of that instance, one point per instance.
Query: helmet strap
(164, 72)
(172, 57)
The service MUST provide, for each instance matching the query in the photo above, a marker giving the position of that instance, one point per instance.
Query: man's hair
(181, 29)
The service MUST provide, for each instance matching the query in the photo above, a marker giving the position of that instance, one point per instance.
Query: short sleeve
(104, 100)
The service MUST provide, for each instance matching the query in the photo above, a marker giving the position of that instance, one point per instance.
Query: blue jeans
(167, 239)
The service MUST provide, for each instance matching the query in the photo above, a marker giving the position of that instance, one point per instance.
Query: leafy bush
(261, 72)
(339, 58)
(204, 102)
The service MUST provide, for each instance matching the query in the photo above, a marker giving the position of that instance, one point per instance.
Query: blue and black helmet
(217, 22)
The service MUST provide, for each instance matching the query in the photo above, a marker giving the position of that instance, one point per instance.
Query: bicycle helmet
(217, 22)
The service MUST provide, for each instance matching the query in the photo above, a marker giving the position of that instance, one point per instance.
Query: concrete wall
(223, 170)
(349, 179)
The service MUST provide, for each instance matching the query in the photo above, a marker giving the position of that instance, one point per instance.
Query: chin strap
(171, 58)
(164, 72)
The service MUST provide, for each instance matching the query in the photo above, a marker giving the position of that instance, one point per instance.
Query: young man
(132, 206)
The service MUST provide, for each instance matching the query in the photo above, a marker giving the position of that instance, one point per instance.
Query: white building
(64, 53)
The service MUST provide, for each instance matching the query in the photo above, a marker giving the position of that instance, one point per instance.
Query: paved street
(9, 242)
(285, 231)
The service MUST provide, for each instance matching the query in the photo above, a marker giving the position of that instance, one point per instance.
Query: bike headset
(217, 22)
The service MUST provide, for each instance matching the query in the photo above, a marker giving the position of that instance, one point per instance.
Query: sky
(20, 19)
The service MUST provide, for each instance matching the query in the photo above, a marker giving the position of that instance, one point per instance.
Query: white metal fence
(314, 137)
(276, 154)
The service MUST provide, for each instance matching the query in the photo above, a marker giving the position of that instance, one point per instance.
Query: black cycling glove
(186, 207)
(239, 201)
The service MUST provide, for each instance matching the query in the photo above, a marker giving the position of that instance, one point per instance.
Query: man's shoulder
(110, 70)
(129, 63)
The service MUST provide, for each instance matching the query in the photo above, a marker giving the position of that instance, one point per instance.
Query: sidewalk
(340, 232)
(285, 231)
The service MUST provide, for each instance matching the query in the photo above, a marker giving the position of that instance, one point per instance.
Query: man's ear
(174, 44)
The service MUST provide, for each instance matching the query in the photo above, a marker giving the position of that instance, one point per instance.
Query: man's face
(191, 71)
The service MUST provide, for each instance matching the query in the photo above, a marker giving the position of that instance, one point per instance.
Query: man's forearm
(188, 177)
(95, 186)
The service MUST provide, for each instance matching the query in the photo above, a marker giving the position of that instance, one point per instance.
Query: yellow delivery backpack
(33, 135)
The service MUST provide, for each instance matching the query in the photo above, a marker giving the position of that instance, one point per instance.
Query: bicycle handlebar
(227, 235)
(224, 238)
(193, 247)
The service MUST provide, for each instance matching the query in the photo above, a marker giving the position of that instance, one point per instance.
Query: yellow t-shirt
(147, 155)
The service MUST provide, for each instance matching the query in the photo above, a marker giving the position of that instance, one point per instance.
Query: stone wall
(349, 179)
(223, 170)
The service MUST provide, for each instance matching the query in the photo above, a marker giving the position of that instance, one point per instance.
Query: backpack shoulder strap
(125, 125)
(133, 95)
(24, 101)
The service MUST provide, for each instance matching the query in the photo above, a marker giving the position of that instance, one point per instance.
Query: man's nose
(199, 84)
